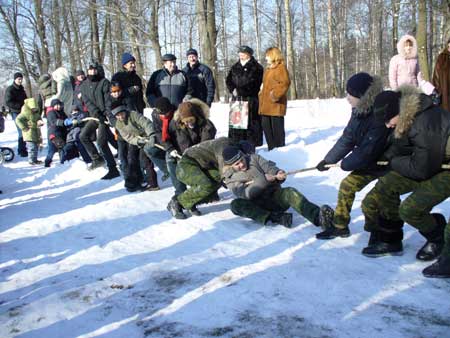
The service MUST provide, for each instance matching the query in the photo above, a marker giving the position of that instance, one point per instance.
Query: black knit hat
(231, 154)
(164, 106)
(169, 57)
(191, 51)
(79, 72)
(54, 102)
(387, 105)
(18, 74)
(358, 84)
(246, 49)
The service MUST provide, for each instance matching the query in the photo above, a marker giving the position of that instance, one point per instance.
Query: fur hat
(358, 84)
(127, 57)
(169, 57)
(186, 109)
(18, 74)
(387, 105)
(164, 106)
(191, 51)
(231, 154)
(246, 49)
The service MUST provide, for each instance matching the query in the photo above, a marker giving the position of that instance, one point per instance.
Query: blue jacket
(363, 140)
(202, 82)
(174, 86)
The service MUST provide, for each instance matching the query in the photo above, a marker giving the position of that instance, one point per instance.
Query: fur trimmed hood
(61, 74)
(401, 46)
(202, 113)
(410, 105)
(366, 101)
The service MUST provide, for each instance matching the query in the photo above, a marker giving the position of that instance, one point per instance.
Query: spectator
(441, 76)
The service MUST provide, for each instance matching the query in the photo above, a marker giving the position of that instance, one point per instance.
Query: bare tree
(422, 39)
(395, 13)
(40, 28)
(257, 32)
(57, 32)
(240, 21)
(331, 49)
(315, 86)
(95, 38)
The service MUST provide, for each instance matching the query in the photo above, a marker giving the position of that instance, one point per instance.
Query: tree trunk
(224, 48)
(154, 32)
(413, 17)
(257, 32)
(279, 26)
(290, 50)
(395, 14)
(208, 36)
(70, 50)
(10, 19)
(40, 27)
(79, 51)
(422, 40)
(132, 34)
(313, 51)
(95, 38)
(57, 33)
(331, 50)
(240, 21)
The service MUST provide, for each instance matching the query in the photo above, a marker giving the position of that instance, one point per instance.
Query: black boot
(387, 241)
(435, 240)
(176, 209)
(96, 163)
(326, 214)
(112, 173)
(283, 218)
(333, 232)
(439, 269)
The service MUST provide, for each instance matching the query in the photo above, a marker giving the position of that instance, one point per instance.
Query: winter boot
(47, 163)
(96, 163)
(326, 214)
(439, 269)
(333, 232)
(283, 218)
(389, 241)
(176, 209)
(381, 249)
(194, 211)
(435, 240)
(112, 173)
(374, 237)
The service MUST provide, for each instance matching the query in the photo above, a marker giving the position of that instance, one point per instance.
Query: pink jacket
(402, 69)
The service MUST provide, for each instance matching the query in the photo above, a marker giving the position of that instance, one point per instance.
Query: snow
(80, 257)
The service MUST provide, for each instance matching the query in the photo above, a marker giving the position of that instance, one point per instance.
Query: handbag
(238, 117)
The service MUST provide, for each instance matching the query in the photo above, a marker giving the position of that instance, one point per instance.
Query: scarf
(165, 127)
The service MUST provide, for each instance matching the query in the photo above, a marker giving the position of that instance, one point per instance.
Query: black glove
(133, 89)
(321, 166)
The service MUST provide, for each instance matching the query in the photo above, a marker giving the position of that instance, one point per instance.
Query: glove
(68, 122)
(74, 122)
(234, 93)
(321, 166)
(152, 141)
(174, 154)
(133, 89)
(141, 142)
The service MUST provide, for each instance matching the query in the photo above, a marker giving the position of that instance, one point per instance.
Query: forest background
(324, 41)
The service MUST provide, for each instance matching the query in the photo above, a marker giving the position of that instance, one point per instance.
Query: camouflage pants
(383, 201)
(259, 209)
(350, 185)
(202, 183)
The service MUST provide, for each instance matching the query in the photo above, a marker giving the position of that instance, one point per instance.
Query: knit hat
(358, 84)
(164, 106)
(79, 72)
(169, 57)
(75, 107)
(387, 105)
(246, 49)
(191, 51)
(54, 102)
(127, 57)
(18, 74)
(120, 108)
(231, 154)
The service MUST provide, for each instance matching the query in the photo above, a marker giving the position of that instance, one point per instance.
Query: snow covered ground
(80, 257)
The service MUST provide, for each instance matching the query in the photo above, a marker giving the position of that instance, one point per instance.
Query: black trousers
(273, 127)
(88, 133)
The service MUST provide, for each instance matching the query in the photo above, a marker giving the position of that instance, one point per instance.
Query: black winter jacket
(173, 86)
(245, 79)
(364, 138)
(135, 101)
(14, 97)
(55, 124)
(96, 97)
(421, 136)
(202, 82)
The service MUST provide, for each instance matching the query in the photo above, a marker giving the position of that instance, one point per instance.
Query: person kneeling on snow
(257, 184)
(56, 130)
(138, 131)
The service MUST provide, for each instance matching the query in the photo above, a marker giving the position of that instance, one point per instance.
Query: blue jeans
(158, 158)
(21, 146)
